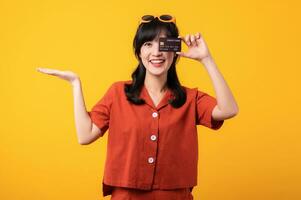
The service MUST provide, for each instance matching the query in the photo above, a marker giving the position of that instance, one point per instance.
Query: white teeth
(157, 61)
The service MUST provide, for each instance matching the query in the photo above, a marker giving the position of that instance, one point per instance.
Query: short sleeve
(100, 112)
(204, 107)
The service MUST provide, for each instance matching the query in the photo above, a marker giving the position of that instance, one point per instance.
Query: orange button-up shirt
(151, 147)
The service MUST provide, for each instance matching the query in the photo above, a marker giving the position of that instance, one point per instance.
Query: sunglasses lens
(166, 17)
(148, 17)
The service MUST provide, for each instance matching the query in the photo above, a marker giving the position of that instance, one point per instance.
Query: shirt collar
(148, 100)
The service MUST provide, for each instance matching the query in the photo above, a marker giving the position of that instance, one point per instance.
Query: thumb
(182, 54)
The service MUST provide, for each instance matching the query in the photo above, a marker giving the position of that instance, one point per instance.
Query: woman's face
(156, 62)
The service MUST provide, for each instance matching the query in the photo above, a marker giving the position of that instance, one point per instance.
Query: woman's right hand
(66, 75)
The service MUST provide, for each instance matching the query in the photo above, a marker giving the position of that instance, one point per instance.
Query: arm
(87, 132)
(197, 49)
(226, 105)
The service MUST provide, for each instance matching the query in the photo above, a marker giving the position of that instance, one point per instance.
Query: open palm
(66, 75)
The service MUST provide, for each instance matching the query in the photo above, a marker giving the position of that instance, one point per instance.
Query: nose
(155, 50)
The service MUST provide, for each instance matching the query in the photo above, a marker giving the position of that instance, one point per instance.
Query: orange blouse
(151, 147)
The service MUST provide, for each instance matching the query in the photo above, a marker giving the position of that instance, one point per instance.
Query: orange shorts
(120, 193)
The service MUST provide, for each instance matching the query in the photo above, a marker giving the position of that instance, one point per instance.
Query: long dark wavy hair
(148, 32)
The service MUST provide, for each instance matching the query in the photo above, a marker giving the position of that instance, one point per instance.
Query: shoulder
(194, 92)
(190, 91)
(120, 83)
(118, 86)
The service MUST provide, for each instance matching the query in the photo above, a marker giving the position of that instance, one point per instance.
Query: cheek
(143, 52)
(143, 56)
(170, 57)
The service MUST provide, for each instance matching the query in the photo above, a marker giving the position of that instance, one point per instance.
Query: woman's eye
(147, 44)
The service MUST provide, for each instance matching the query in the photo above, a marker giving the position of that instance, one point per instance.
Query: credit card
(169, 44)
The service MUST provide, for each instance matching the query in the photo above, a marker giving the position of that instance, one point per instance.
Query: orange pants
(120, 193)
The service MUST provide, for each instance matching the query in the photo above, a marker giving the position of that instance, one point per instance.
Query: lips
(157, 62)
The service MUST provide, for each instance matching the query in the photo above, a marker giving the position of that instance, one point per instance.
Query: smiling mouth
(157, 62)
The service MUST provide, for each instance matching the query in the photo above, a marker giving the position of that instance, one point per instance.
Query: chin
(156, 72)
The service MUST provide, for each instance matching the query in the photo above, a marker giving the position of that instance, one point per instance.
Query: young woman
(152, 150)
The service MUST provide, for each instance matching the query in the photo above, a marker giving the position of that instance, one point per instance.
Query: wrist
(75, 82)
(206, 60)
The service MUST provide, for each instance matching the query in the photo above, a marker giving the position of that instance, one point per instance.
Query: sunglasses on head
(162, 18)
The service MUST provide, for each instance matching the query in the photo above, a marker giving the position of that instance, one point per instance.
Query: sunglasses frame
(173, 19)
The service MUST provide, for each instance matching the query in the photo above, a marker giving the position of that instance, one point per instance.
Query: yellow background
(256, 45)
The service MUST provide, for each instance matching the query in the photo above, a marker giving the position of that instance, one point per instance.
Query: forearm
(225, 100)
(83, 122)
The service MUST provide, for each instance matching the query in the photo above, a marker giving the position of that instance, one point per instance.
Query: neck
(155, 84)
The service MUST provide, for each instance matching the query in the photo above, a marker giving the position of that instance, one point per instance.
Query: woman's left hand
(197, 48)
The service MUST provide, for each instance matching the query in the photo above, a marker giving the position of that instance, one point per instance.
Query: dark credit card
(169, 44)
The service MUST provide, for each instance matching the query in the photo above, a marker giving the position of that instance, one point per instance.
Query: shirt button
(153, 137)
(155, 114)
(150, 160)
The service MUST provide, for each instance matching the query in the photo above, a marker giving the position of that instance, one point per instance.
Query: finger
(44, 70)
(183, 39)
(179, 53)
(187, 40)
(40, 69)
(49, 71)
(192, 39)
(182, 54)
(198, 37)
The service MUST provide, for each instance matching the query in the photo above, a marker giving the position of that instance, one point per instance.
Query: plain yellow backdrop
(256, 45)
